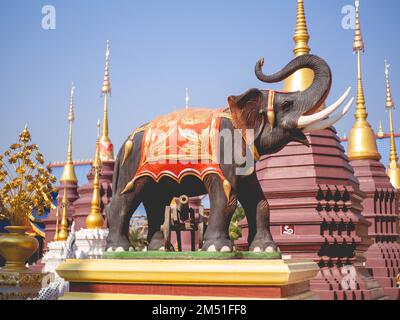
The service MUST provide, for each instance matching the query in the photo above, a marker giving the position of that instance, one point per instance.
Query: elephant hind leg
(155, 208)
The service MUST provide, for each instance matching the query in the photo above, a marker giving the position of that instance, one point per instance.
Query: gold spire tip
(106, 88)
(69, 170)
(71, 116)
(301, 36)
(98, 129)
(187, 99)
(389, 99)
(358, 44)
(302, 79)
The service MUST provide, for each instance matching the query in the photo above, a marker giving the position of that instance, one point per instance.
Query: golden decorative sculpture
(362, 140)
(25, 186)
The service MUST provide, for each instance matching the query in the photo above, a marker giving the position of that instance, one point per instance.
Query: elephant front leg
(263, 239)
(257, 211)
(119, 216)
(216, 237)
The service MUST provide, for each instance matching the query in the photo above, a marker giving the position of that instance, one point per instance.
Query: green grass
(197, 255)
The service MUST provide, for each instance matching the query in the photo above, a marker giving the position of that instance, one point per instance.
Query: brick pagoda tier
(381, 202)
(315, 202)
(381, 210)
(82, 206)
(72, 196)
(321, 219)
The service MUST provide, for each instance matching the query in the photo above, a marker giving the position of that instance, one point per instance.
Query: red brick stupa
(315, 202)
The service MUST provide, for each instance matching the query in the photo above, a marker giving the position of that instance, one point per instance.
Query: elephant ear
(245, 112)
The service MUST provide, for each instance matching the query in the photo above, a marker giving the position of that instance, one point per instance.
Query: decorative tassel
(127, 150)
(129, 187)
(227, 188)
(270, 108)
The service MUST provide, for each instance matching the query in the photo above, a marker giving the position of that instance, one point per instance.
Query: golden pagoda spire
(106, 150)
(303, 78)
(187, 99)
(57, 218)
(393, 170)
(362, 140)
(380, 132)
(68, 174)
(63, 234)
(95, 220)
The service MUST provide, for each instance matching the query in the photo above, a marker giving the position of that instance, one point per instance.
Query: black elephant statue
(152, 168)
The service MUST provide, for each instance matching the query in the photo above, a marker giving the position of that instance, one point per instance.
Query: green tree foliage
(137, 239)
(235, 232)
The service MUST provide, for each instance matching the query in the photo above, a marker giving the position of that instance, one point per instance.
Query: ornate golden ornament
(25, 184)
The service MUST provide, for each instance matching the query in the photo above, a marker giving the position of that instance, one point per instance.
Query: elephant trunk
(313, 96)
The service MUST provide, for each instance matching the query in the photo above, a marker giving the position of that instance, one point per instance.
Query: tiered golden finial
(393, 170)
(362, 140)
(63, 234)
(95, 220)
(68, 174)
(381, 134)
(303, 78)
(57, 218)
(106, 150)
(187, 99)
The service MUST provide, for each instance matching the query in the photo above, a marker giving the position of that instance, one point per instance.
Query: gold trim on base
(189, 272)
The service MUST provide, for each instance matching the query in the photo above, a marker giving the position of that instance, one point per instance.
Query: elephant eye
(286, 105)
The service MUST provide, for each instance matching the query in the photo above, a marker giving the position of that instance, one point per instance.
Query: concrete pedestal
(188, 279)
(90, 243)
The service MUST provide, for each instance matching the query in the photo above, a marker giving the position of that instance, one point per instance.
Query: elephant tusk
(329, 122)
(305, 121)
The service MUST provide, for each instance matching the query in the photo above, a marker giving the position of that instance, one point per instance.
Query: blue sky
(158, 48)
